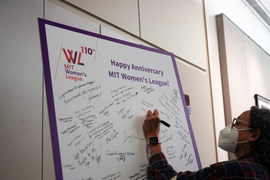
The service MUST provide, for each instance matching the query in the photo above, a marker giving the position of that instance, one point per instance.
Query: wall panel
(258, 65)
(20, 89)
(121, 13)
(236, 67)
(196, 84)
(54, 12)
(176, 26)
(233, 68)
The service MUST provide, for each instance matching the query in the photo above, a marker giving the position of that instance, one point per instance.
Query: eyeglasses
(237, 122)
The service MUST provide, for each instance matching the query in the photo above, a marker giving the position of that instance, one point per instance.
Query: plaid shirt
(242, 168)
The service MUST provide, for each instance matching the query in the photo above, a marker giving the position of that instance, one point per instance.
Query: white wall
(20, 90)
(245, 19)
(247, 66)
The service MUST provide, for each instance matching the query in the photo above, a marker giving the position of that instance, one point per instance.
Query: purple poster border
(187, 115)
(50, 102)
(48, 83)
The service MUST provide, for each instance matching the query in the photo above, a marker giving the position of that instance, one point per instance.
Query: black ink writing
(147, 90)
(112, 176)
(101, 130)
(70, 129)
(131, 138)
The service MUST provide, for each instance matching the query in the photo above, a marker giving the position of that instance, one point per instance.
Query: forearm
(154, 149)
(162, 170)
(160, 167)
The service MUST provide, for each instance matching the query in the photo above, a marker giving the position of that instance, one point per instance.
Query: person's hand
(151, 124)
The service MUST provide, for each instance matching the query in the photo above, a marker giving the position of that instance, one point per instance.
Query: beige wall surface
(196, 84)
(21, 90)
(258, 65)
(237, 72)
(175, 26)
(121, 13)
(25, 133)
(247, 67)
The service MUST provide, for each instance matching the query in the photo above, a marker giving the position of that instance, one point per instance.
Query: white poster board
(99, 90)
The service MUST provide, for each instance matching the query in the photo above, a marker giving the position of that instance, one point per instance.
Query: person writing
(248, 137)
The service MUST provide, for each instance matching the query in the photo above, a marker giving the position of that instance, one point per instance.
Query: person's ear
(255, 135)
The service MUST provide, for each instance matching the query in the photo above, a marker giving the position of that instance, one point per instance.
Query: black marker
(165, 123)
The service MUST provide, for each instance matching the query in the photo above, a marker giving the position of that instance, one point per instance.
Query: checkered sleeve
(160, 167)
(242, 168)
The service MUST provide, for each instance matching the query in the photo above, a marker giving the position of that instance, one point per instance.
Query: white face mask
(228, 138)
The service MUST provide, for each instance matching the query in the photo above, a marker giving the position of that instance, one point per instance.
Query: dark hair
(260, 119)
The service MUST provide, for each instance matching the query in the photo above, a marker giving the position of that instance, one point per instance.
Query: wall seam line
(42, 113)
(139, 18)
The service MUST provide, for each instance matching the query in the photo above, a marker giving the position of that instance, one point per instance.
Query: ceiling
(262, 9)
